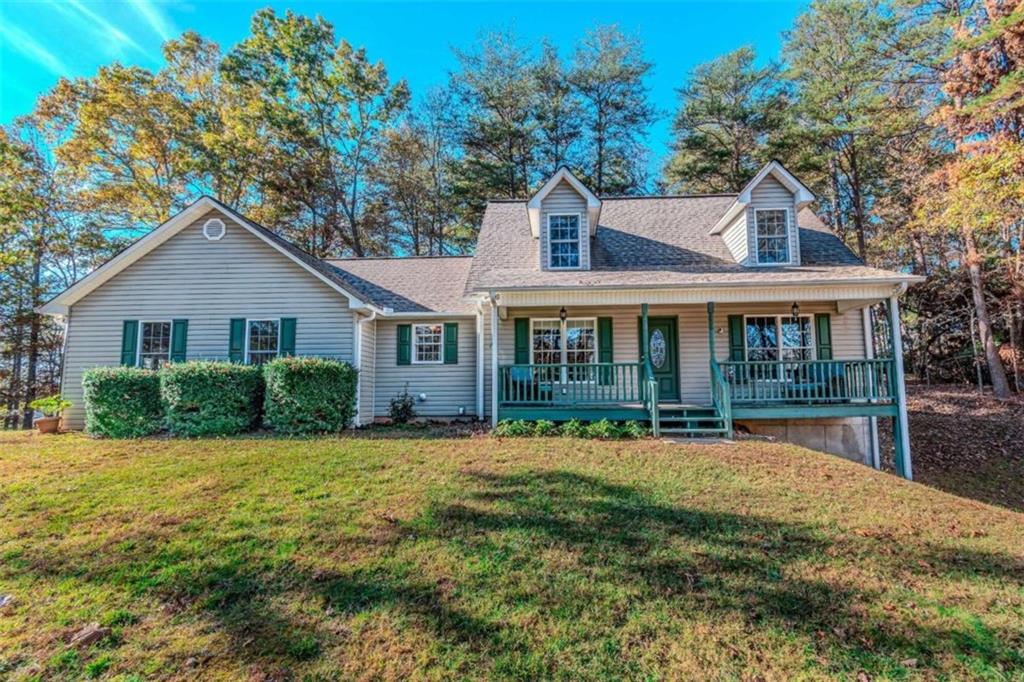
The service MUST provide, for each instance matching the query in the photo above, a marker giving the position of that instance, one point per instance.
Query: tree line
(904, 117)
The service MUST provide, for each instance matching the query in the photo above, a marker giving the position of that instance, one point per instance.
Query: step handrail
(721, 396)
(651, 396)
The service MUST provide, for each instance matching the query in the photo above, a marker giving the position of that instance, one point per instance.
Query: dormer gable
(563, 217)
(760, 227)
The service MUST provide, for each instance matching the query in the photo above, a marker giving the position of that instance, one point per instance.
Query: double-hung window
(427, 343)
(154, 344)
(263, 339)
(771, 236)
(771, 338)
(564, 241)
(572, 343)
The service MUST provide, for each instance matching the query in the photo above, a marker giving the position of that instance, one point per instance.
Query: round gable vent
(214, 229)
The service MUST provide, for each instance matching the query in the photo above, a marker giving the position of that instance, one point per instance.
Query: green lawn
(392, 558)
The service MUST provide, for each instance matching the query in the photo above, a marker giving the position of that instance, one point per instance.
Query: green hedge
(309, 395)
(122, 402)
(211, 398)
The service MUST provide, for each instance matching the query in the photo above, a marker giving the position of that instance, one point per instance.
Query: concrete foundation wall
(849, 438)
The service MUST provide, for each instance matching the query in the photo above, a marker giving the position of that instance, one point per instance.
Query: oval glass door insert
(658, 349)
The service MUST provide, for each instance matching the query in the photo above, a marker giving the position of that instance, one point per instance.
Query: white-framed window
(262, 340)
(778, 337)
(563, 241)
(427, 344)
(771, 236)
(154, 343)
(572, 343)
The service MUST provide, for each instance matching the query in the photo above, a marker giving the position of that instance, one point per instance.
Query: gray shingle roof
(409, 285)
(653, 241)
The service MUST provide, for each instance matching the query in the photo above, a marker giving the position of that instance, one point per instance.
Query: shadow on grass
(571, 555)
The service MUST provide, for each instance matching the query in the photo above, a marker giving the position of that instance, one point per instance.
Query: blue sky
(41, 40)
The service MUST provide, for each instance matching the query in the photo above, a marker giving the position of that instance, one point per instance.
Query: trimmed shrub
(634, 429)
(122, 402)
(211, 398)
(574, 428)
(604, 430)
(543, 427)
(513, 428)
(309, 395)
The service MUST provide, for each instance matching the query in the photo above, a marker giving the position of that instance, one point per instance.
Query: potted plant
(51, 408)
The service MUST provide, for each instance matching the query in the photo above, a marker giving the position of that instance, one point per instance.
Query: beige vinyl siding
(770, 193)
(735, 237)
(207, 283)
(367, 365)
(448, 387)
(847, 336)
(564, 199)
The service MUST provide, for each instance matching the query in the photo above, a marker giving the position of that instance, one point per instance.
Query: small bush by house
(211, 398)
(309, 395)
(122, 402)
(402, 408)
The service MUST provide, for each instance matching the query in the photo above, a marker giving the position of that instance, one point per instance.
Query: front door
(664, 351)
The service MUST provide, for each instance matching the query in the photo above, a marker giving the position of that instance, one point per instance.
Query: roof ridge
(362, 258)
(626, 197)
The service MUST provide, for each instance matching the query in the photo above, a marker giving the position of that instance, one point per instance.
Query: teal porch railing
(808, 382)
(602, 383)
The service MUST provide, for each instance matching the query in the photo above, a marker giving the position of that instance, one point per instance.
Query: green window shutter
(129, 342)
(605, 350)
(179, 340)
(823, 334)
(236, 342)
(522, 326)
(736, 337)
(287, 346)
(404, 344)
(451, 343)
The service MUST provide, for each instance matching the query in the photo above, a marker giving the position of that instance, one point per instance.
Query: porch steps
(692, 421)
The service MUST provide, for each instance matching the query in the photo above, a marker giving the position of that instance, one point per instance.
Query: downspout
(359, 363)
(493, 299)
(480, 360)
(869, 353)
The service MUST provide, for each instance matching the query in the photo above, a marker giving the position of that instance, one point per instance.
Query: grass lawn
(392, 558)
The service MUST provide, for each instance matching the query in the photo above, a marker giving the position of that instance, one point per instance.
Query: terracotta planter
(47, 424)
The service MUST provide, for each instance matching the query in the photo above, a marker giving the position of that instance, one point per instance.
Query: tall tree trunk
(1000, 387)
(858, 202)
(1012, 321)
(837, 215)
(34, 330)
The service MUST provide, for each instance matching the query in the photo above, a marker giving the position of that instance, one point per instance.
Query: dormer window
(772, 236)
(563, 241)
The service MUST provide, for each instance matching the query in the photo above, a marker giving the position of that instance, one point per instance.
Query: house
(698, 314)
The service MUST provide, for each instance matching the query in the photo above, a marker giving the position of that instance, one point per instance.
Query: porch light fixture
(796, 312)
(563, 313)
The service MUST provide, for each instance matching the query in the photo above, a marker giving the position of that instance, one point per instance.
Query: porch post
(711, 330)
(645, 332)
(495, 380)
(480, 361)
(901, 430)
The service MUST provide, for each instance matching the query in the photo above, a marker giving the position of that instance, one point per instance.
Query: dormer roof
(802, 195)
(563, 174)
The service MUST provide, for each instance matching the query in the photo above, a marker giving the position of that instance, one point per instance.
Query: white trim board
(60, 304)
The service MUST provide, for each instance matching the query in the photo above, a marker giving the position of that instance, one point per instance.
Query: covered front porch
(695, 370)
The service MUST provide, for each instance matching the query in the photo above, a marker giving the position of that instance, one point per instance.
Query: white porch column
(869, 353)
(494, 362)
(903, 447)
